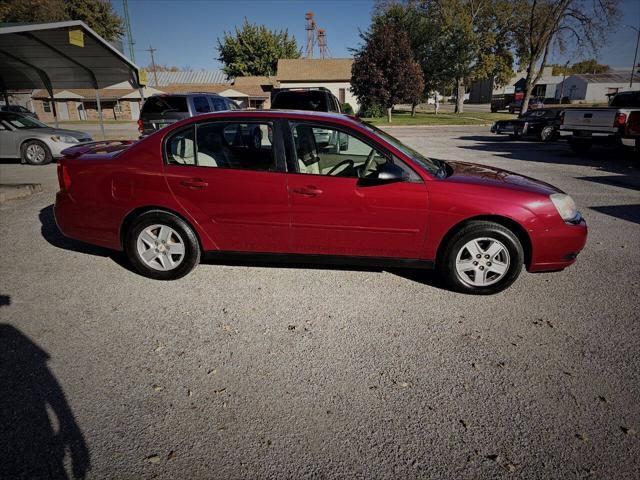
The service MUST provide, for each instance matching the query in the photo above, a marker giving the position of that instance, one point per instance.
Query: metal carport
(61, 55)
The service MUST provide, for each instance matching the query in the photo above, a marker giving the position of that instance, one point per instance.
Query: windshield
(626, 100)
(313, 100)
(21, 121)
(433, 166)
(164, 104)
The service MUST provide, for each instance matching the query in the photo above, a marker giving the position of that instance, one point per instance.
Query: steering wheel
(368, 163)
(342, 164)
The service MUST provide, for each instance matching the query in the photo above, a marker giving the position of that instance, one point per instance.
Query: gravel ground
(241, 371)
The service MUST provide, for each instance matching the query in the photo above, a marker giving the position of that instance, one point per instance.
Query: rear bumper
(557, 248)
(75, 222)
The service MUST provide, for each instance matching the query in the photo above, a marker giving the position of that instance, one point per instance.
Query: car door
(338, 208)
(229, 175)
(8, 141)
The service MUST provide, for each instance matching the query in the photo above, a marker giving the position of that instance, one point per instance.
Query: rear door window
(201, 105)
(219, 104)
(159, 105)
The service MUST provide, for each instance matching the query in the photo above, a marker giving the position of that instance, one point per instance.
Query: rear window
(165, 104)
(626, 100)
(315, 101)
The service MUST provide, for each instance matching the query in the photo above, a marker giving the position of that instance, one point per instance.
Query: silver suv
(161, 110)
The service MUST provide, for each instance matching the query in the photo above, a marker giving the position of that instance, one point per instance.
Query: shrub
(347, 108)
(372, 111)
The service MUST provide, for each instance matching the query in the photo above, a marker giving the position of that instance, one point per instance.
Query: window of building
(117, 108)
(342, 92)
(46, 106)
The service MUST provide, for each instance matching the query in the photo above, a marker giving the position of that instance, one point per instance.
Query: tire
(457, 269)
(35, 152)
(580, 146)
(547, 134)
(515, 136)
(157, 234)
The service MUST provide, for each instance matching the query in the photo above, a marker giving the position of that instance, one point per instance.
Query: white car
(34, 142)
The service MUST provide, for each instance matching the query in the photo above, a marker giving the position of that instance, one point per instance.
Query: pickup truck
(615, 125)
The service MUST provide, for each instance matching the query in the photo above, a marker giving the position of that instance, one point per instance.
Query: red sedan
(310, 187)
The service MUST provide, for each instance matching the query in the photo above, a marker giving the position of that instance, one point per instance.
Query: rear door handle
(194, 183)
(308, 191)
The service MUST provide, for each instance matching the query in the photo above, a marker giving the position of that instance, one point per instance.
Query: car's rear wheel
(515, 136)
(547, 134)
(35, 152)
(162, 246)
(482, 258)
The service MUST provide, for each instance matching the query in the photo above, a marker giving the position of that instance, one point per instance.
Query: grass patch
(445, 118)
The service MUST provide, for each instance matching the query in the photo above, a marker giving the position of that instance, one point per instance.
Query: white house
(595, 87)
(331, 73)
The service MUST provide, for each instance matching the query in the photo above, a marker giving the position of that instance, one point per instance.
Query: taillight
(64, 180)
(633, 125)
(620, 120)
(562, 117)
(140, 127)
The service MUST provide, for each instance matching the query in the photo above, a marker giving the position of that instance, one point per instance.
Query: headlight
(64, 139)
(565, 205)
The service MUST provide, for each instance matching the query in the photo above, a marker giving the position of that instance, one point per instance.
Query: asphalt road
(244, 371)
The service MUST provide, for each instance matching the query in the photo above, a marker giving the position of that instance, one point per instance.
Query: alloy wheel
(482, 262)
(160, 247)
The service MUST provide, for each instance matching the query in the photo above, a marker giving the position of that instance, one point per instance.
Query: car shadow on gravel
(602, 158)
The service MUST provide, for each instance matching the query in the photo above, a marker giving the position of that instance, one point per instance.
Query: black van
(161, 110)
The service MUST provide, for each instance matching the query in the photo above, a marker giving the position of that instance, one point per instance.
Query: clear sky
(184, 32)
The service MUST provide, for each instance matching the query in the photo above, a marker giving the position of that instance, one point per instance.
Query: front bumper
(557, 247)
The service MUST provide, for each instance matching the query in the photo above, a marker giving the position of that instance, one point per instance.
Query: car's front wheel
(547, 134)
(35, 152)
(161, 246)
(482, 258)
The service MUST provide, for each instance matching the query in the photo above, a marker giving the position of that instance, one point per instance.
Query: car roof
(292, 114)
(186, 94)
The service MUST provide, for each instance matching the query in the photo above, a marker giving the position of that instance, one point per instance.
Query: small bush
(373, 111)
(347, 108)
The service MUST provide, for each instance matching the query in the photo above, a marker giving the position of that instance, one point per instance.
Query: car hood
(60, 131)
(471, 173)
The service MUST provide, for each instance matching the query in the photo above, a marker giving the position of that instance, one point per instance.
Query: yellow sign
(142, 76)
(76, 37)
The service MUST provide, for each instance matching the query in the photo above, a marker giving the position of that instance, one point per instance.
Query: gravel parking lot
(252, 371)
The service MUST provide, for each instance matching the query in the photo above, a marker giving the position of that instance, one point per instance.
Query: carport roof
(32, 55)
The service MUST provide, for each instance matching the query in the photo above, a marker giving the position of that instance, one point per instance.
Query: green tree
(255, 50)
(384, 71)
(456, 41)
(586, 66)
(97, 14)
(549, 24)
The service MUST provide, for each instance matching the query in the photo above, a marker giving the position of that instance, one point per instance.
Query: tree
(97, 14)
(583, 24)
(166, 68)
(255, 50)
(384, 71)
(456, 41)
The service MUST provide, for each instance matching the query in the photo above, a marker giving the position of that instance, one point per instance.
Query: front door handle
(308, 191)
(194, 183)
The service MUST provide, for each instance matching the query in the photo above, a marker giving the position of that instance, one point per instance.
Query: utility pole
(153, 65)
(635, 56)
(127, 24)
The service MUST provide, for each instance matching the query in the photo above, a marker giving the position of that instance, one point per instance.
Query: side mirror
(388, 173)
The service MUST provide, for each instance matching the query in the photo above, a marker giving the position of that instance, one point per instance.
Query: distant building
(482, 90)
(331, 73)
(121, 102)
(596, 87)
